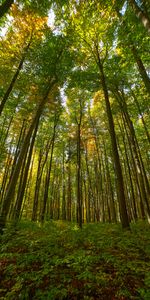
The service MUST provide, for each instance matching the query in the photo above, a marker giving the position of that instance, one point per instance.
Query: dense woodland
(74, 149)
(74, 125)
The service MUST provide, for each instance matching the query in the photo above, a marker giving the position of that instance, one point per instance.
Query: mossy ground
(60, 261)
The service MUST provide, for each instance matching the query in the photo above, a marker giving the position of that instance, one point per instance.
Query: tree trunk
(120, 184)
(41, 165)
(48, 173)
(141, 115)
(4, 134)
(133, 203)
(13, 81)
(26, 202)
(69, 189)
(12, 213)
(79, 200)
(91, 195)
(63, 187)
(15, 155)
(112, 203)
(141, 68)
(37, 188)
(52, 195)
(6, 175)
(25, 176)
(99, 160)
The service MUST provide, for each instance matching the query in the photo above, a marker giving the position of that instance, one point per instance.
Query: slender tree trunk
(120, 184)
(112, 203)
(4, 134)
(104, 202)
(12, 213)
(57, 199)
(15, 155)
(141, 68)
(99, 158)
(145, 20)
(69, 189)
(79, 201)
(25, 176)
(47, 179)
(5, 7)
(63, 187)
(26, 202)
(91, 195)
(141, 115)
(41, 165)
(6, 175)
(52, 195)
(18, 147)
(129, 172)
(37, 188)
(13, 81)
(97, 189)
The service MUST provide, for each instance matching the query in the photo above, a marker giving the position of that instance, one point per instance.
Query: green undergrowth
(60, 261)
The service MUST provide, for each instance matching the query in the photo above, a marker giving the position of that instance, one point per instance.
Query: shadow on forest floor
(60, 261)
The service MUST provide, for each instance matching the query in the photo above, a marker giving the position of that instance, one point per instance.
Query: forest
(74, 149)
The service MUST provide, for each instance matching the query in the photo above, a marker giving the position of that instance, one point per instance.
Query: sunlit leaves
(27, 24)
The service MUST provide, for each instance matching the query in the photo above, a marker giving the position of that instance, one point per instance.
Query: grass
(60, 261)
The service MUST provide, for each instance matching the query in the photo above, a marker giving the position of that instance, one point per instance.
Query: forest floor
(60, 261)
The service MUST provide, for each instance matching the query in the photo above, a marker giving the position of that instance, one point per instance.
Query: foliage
(59, 261)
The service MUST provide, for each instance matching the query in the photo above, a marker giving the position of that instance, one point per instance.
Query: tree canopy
(74, 111)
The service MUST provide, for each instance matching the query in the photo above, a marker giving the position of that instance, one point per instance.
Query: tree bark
(79, 186)
(48, 173)
(5, 180)
(133, 203)
(69, 187)
(91, 195)
(141, 115)
(63, 187)
(141, 68)
(41, 165)
(37, 188)
(79, 201)
(25, 176)
(112, 203)
(120, 185)
(13, 81)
